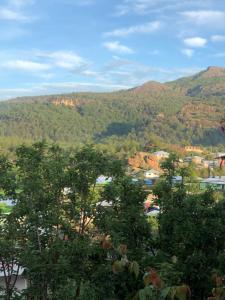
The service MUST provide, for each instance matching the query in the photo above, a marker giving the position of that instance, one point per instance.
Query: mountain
(187, 110)
(210, 82)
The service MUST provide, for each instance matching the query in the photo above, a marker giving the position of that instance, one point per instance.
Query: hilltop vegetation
(187, 110)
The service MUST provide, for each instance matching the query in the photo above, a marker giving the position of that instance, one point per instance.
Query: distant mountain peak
(151, 87)
(212, 72)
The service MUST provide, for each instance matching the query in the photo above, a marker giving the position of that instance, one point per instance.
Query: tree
(9, 257)
(56, 199)
(191, 228)
(126, 199)
(126, 233)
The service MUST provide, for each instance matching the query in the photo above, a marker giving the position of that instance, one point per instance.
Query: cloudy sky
(54, 46)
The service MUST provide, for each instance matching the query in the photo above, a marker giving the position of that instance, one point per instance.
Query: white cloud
(139, 29)
(203, 17)
(90, 73)
(218, 38)
(59, 87)
(12, 15)
(13, 11)
(129, 72)
(26, 65)
(40, 61)
(119, 74)
(188, 52)
(117, 47)
(68, 60)
(139, 6)
(195, 42)
(65, 59)
(83, 85)
(143, 7)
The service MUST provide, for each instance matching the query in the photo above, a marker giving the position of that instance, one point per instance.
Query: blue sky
(56, 46)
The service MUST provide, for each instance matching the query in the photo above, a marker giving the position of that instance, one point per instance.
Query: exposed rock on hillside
(67, 102)
(144, 160)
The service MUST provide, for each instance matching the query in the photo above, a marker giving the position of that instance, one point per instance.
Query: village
(145, 169)
(207, 167)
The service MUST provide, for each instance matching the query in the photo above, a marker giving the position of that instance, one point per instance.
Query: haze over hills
(186, 110)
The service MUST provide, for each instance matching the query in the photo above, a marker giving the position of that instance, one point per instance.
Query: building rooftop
(161, 153)
(214, 180)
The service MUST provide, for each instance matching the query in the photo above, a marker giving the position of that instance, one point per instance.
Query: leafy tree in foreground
(191, 228)
(9, 253)
(124, 226)
(57, 224)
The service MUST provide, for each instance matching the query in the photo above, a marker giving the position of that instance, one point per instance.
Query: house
(152, 174)
(177, 179)
(161, 154)
(105, 203)
(102, 180)
(210, 163)
(193, 149)
(217, 183)
(150, 205)
(21, 282)
(188, 159)
(221, 160)
(135, 180)
(197, 159)
(150, 201)
(148, 182)
(152, 212)
(219, 154)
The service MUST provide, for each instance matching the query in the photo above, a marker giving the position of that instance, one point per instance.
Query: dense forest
(187, 110)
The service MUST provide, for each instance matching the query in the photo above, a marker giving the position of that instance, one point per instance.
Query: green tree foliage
(56, 238)
(126, 199)
(123, 121)
(80, 240)
(191, 228)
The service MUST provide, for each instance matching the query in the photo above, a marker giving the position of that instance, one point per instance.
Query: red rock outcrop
(144, 160)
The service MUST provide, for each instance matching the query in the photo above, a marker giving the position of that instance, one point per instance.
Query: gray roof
(214, 180)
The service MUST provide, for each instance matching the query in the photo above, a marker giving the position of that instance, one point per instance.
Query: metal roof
(214, 180)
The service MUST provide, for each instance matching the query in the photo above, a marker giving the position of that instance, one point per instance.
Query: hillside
(185, 110)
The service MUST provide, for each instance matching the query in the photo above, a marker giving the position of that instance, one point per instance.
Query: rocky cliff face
(144, 160)
(64, 101)
(72, 102)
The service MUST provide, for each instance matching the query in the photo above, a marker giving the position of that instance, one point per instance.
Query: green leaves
(134, 268)
(118, 266)
(167, 293)
(124, 265)
(150, 293)
(191, 227)
(56, 222)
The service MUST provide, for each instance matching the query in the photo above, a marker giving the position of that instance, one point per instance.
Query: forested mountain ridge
(186, 110)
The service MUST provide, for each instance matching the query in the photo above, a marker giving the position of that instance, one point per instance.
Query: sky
(58, 46)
